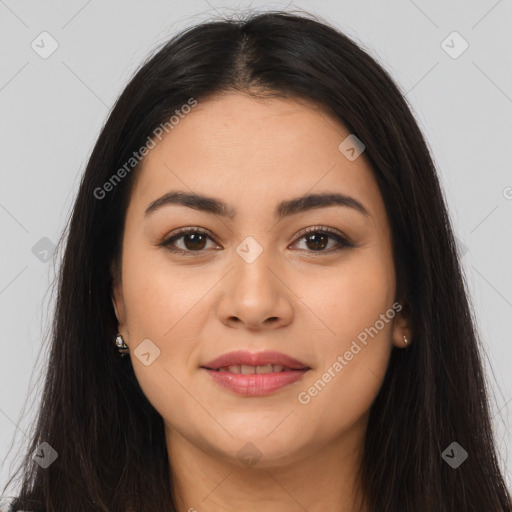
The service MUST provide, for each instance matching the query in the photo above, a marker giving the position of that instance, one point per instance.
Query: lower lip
(255, 384)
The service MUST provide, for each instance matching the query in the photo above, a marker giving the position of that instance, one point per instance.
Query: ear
(402, 327)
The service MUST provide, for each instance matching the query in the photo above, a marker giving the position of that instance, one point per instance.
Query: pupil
(196, 239)
(317, 246)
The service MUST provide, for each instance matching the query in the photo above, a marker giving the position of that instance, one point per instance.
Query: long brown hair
(110, 440)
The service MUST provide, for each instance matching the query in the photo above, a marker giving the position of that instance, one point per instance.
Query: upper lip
(245, 357)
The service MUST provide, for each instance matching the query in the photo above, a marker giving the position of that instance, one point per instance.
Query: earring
(405, 340)
(122, 348)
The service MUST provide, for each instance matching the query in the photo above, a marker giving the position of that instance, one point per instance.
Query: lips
(243, 358)
(257, 374)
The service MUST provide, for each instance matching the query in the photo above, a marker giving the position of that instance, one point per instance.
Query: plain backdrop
(52, 110)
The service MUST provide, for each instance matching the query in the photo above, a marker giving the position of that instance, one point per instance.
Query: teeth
(264, 369)
(246, 369)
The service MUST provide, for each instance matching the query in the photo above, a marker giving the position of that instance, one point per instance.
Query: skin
(252, 154)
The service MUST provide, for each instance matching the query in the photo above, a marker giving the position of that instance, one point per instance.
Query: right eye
(194, 240)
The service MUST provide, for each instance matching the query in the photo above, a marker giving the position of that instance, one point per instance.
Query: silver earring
(122, 348)
(405, 340)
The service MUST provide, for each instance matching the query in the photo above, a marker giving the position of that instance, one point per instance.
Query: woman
(260, 305)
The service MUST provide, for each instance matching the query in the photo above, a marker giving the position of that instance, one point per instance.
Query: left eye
(194, 240)
(318, 239)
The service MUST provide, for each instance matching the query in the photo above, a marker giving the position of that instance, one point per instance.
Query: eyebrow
(286, 208)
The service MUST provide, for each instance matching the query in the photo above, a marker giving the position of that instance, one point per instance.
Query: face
(260, 272)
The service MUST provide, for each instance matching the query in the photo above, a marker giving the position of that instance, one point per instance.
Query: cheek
(352, 298)
(164, 306)
(353, 353)
(159, 297)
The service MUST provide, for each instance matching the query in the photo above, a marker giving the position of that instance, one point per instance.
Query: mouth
(256, 374)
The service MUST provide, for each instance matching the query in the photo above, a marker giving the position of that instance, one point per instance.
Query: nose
(255, 296)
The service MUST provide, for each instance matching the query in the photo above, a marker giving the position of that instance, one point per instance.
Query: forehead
(248, 150)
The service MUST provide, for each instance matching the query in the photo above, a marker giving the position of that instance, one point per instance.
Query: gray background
(52, 110)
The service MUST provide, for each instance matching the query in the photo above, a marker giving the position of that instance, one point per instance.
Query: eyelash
(323, 230)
